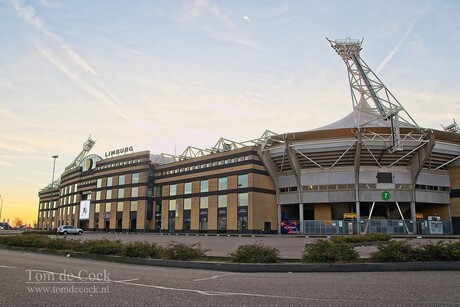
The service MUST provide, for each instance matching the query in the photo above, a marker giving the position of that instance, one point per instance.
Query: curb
(260, 267)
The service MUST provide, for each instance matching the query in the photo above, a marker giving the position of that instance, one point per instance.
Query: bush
(142, 250)
(34, 240)
(395, 251)
(103, 247)
(182, 251)
(38, 232)
(324, 251)
(255, 253)
(63, 244)
(438, 252)
(376, 237)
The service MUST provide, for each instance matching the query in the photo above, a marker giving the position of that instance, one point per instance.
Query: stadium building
(373, 171)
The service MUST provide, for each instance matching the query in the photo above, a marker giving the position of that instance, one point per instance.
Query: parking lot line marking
(7, 267)
(214, 277)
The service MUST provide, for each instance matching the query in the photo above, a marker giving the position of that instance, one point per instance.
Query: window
(120, 206)
(109, 194)
(108, 207)
(222, 184)
(109, 181)
(187, 204)
(99, 183)
(135, 178)
(121, 180)
(172, 190)
(172, 205)
(98, 195)
(121, 193)
(204, 186)
(242, 199)
(243, 181)
(134, 206)
(222, 201)
(135, 192)
(74, 210)
(188, 188)
(97, 208)
(203, 203)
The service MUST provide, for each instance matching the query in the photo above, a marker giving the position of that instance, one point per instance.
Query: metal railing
(392, 227)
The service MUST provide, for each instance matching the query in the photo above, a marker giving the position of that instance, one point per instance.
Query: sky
(163, 75)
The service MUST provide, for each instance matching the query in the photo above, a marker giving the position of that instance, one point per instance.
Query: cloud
(38, 184)
(209, 18)
(73, 65)
(203, 6)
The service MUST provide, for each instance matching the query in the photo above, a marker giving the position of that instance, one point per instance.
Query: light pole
(1, 207)
(52, 186)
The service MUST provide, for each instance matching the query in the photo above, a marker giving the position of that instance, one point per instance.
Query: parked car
(67, 229)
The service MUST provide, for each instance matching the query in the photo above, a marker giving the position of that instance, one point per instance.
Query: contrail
(397, 47)
(68, 58)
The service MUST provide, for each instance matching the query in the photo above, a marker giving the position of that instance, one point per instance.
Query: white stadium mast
(365, 86)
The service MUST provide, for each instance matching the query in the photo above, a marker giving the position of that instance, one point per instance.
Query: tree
(17, 222)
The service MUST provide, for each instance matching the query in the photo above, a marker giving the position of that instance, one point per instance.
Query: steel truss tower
(366, 86)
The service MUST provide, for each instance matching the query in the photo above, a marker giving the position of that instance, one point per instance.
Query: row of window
(174, 204)
(120, 193)
(108, 206)
(201, 166)
(116, 164)
(121, 180)
(65, 178)
(242, 182)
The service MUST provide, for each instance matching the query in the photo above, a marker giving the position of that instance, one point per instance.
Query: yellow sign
(349, 216)
(419, 215)
(328, 222)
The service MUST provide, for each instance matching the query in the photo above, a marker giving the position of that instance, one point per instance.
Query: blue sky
(162, 75)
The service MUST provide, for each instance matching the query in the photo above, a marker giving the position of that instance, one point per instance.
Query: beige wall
(322, 212)
(264, 210)
(439, 210)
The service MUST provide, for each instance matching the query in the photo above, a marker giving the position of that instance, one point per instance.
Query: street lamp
(52, 186)
(1, 207)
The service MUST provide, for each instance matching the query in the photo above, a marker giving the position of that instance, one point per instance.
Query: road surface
(30, 279)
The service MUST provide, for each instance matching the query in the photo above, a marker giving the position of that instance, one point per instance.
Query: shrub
(438, 252)
(142, 250)
(324, 251)
(38, 232)
(395, 251)
(27, 241)
(103, 247)
(182, 251)
(375, 237)
(453, 251)
(63, 244)
(255, 253)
